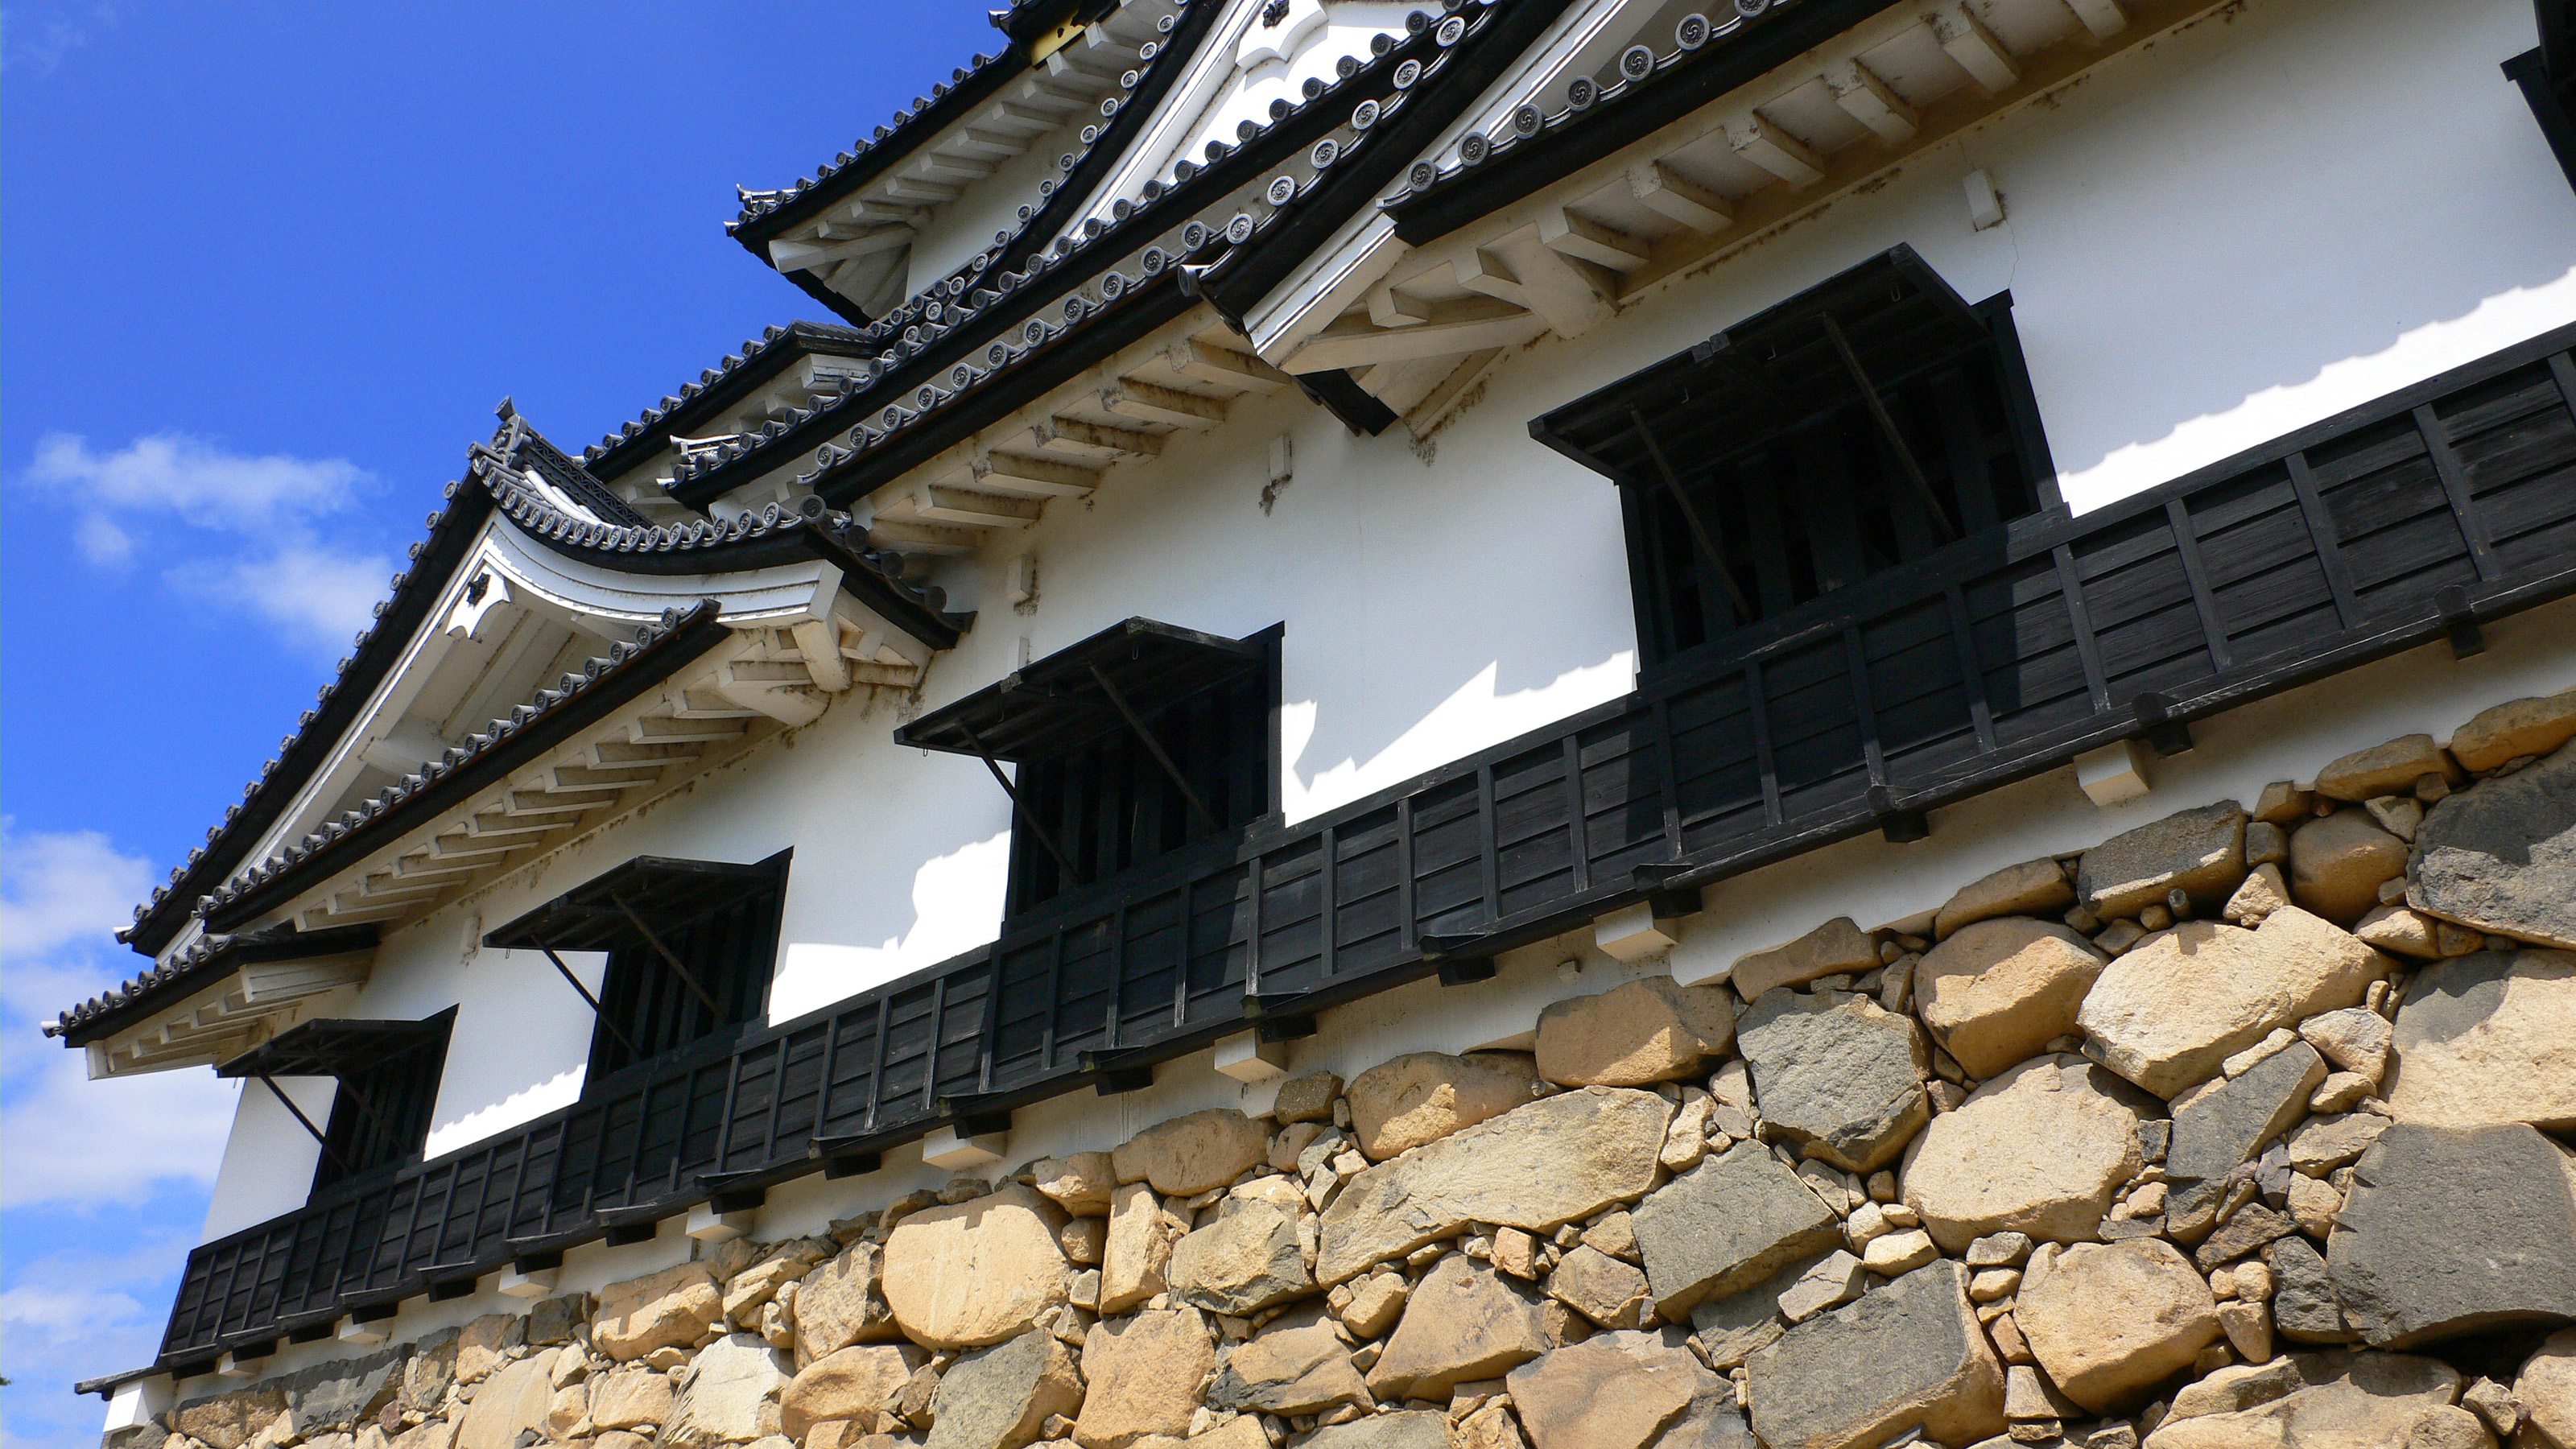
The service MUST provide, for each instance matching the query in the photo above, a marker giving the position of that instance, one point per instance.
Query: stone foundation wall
(2248, 1127)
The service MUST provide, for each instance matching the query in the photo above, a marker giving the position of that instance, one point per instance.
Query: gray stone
(342, 1394)
(1245, 1261)
(2303, 1301)
(1711, 1422)
(1842, 1077)
(2450, 1230)
(2501, 855)
(1297, 1364)
(427, 1377)
(2249, 1228)
(2333, 1400)
(2489, 1037)
(552, 1321)
(1927, 1364)
(1732, 1328)
(2201, 851)
(2217, 1130)
(1000, 1397)
(1554, 1161)
(1407, 1429)
(1726, 1225)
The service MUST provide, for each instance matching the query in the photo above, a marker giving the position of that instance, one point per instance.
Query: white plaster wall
(269, 1159)
(2244, 228)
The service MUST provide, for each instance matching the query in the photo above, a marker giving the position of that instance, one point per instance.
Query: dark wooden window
(715, 976)
(1108, 805)
(380, 1116)
(1756, 474)
(1141, 741)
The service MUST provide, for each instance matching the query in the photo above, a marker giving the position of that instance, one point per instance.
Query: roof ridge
(708, 378)
(911, 329)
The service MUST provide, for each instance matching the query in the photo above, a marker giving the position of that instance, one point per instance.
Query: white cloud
(237, 531)
(63, 1138)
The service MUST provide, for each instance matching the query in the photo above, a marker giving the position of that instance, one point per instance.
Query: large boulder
(1245, 1261)
(1462, 1321)
(2201, 851)
(2489, 1037)
(1001, 1397)
(1556, 1160)
(1997, 991)
(1142, 1375)
(2452, 1230)
(1135, 1261)
(1726, 1225)
(2033, 888)
(1080, 1184)
(1424, 1096)
(631, 1395)
(1840, 1076)
(2515, 728)
(2166, 1014)
(343, 1393)
(2546, 1387)
(2338, 863)
(728, 1395)
(510, 1403)
(1647, 1031)
(1296, 1364)
(669, 1309)
(1188, 1155)
(2501, 855)
(976, 1272)
(1910, 1354)
(2110, 1321)
(2042, 1149)
(1836, 948)
(854, 1383)
(1611, 1391)
(842, 1302)
(227, 1421)
(2328, 1400)
(2218, 1129)
(2389, 769)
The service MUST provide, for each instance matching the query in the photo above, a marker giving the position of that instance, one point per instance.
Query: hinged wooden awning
(336, 1047)
(1105, 683)
(648, 897)
(1865, 330)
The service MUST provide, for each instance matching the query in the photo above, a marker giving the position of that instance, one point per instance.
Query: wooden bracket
(2460, 622)
(1464, 973)
(855, 1164)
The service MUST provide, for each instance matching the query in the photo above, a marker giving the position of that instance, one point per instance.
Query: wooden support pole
(1154, 747)
(1019, 809)
(1887, 428)
(1699, 530)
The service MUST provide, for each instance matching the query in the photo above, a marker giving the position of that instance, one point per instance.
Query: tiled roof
(621, 660)
(718, 387)
(204, 961)
(915, 375)
(1643, 71)
(966, 87)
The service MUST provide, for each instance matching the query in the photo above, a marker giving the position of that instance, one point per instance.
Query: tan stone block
(2519, 727)
(1189, 1155)
(2041, 1149)
(855, 1383)
(1079, 1184)
(1650, 1030)
(2032, 888)
(1997, 991)
(1135, 1259)
(2110, 1321)
(2167, 1013)
(2338, 862)
(669, 1309)
(1143, 1374)
(1836, 947)
(2389, 769)
(1424, 1096)
(976, 1272)
(1460, 1322)
(513, 1401)
(843, 1302)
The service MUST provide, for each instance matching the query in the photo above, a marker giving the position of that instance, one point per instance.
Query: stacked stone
(2241, 1128)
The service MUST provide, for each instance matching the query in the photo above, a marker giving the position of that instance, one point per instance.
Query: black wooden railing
(2391, 526)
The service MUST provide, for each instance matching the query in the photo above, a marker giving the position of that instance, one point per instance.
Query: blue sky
(267, 269)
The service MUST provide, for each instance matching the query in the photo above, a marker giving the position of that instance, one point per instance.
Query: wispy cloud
(235, 531)
(65, 1139)
(42, 41)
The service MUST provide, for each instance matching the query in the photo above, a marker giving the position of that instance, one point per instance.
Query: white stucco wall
(2241, 229)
